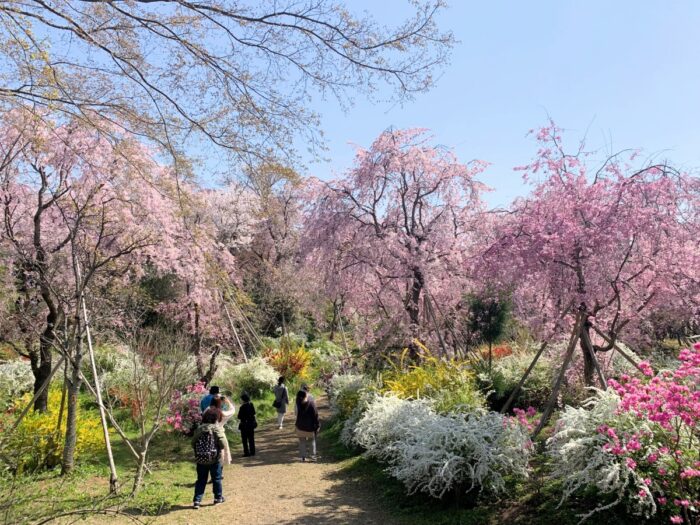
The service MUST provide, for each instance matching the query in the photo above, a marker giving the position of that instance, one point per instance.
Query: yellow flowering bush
(449, 383)
(38, 441)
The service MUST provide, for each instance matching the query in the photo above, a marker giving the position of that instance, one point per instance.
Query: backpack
(205, 450)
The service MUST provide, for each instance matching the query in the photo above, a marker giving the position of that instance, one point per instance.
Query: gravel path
(275, 487)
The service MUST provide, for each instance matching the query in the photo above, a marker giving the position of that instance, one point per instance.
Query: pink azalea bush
(638, 441)
(184, 408)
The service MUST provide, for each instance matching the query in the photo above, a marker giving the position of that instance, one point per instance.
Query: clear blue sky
(626, 72)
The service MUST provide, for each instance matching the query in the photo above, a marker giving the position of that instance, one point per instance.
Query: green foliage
(488, 315)
(505, 375)
(451, 384)
(37, 443)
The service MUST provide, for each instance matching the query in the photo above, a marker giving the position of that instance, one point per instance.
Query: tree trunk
(587, 350)
(41, 366)
(413, 303)
(68, 462)
(140, 470)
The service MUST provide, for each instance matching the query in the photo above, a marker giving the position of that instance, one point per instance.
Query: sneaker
(279, 428)
(196, 505)
(303, 459)
(314, 458)
(219, 500)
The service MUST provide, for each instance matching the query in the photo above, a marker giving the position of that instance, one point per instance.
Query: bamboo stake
(233, 328)
(113, 477)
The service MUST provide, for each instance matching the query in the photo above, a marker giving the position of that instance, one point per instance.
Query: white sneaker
(280, 427)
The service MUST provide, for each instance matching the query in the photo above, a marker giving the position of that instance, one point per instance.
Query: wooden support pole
(616, 347)
(560, 379)
(543, 346)
(43, 387)
(589, 348)
(233, 327)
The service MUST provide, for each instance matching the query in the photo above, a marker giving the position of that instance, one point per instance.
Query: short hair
(212, 415)
(301, 396)
(280, 380)
(213, 390)
(245, 397)
(305, 387)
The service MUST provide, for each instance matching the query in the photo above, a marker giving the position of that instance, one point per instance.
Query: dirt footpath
(275, 487)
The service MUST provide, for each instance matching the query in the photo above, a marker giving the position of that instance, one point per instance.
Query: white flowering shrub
(580, 459)
(437, 454)
(344, 393)
(255, 377)
(16, 379)
(506, 374)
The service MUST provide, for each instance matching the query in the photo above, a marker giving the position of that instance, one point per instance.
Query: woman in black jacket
(248, 424)
(307, 423)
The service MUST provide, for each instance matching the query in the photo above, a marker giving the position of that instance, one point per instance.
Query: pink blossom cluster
(663, 447)
(184, 408)
(526, 418)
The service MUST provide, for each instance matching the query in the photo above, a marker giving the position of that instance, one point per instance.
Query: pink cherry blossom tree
(394, 231)
(83, 214)
(612, 241)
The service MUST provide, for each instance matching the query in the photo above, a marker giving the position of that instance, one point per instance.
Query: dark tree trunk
(588, 364)
(74, 382)
(41, 360)
(413, 310)
(413, 302)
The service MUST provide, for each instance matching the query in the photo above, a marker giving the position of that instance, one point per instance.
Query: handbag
(276, 403)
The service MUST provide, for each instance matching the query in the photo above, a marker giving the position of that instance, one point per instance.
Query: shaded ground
(275, 487)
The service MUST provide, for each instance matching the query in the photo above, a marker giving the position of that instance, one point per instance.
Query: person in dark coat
(307, 424)
(214, 466)
(247, 425)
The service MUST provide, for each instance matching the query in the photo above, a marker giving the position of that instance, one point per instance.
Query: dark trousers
(248, 438)
(203, 473)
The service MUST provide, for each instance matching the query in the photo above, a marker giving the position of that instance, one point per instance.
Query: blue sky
(626, 73)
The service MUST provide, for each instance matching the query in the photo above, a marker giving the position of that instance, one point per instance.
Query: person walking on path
(206, 400)
(281, 401)
(247, 425)
(227, 409)
(307, 424)
(208, 442)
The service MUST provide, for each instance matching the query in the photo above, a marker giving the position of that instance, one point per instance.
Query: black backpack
(205, 450)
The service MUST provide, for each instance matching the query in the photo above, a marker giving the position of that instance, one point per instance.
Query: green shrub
(505, 376)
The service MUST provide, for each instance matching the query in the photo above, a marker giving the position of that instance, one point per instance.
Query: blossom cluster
(639, 441)
(184, 413)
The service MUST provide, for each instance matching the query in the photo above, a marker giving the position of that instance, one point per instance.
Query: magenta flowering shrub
(184, 413)
(639, 441)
